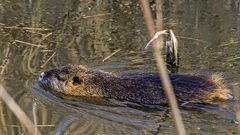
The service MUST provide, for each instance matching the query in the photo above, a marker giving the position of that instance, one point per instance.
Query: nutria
(139, 87)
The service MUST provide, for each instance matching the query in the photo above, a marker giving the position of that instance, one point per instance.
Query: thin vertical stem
(162, 70)
(237, 105)
(148, 18)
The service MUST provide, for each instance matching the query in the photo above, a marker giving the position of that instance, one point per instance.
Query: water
(88, 31)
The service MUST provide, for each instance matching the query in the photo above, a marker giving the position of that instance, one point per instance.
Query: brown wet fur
(139, 87)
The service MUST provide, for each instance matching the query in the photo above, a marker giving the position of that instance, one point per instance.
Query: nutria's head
(67, 79)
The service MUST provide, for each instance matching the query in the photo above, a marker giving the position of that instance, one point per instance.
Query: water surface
(40, 35)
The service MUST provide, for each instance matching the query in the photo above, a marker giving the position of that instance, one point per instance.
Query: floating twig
(106, 58)
(98, 15)
(24, 28)
(45, 51)
(31, 44)
(45, 63)
(194, 39)
(232, 59)
(30, 126)
(230, 43)
(45, 36)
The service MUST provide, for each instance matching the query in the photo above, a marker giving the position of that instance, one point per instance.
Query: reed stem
(12, 105)
(162, 70)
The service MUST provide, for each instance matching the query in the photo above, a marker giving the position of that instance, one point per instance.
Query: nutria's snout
(50, 80)
(42, 80)
(41, 77)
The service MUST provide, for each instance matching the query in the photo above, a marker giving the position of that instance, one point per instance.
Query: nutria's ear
(59, 78)
(76, 80)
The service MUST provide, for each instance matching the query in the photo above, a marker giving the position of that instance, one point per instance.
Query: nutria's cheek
(54, 84)
(71, 89)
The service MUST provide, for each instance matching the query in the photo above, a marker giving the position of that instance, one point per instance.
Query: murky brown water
(85, 31)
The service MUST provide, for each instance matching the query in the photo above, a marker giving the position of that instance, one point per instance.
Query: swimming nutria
(140, 87)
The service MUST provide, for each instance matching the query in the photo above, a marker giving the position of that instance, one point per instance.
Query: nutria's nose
(41, 77)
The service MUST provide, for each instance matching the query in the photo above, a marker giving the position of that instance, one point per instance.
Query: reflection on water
(39, 35)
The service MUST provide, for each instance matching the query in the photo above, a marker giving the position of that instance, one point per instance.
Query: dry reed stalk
(45, 63)
(232, 59)
(22, 117)
(5, 60)
(236, 92)
(46, 51)
(193, 39)
(34, 112)
(3, 128)
(148, 18)
(98, 15)
(45, 37)
(162, 70)
(169, 91)
(230, 43)
(3, 68)
(35, 45)
(26, 28)
(31, 126)
(106, 58)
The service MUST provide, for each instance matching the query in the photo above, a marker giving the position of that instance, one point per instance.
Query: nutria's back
(140, 87)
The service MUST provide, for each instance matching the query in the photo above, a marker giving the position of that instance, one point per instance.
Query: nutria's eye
(76, 80)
